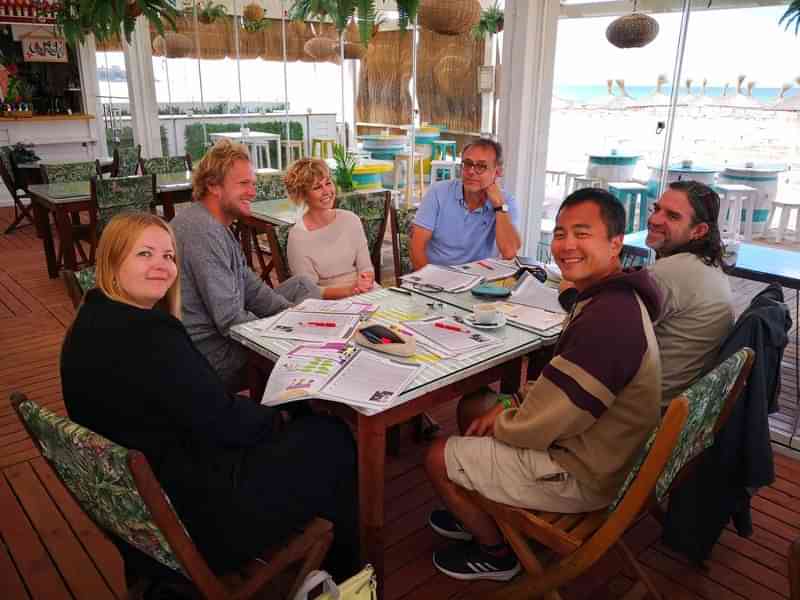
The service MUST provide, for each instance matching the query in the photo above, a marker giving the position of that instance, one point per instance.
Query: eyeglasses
(479, 168)
(430, 288)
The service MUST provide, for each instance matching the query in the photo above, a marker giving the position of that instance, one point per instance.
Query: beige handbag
(361, 586)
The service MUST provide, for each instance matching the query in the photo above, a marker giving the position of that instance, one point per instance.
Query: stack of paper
(338, 372)
(342, 307)
(490, 269)
(442, 279)
(307, 326)
(528, 316)
(531, 292)
(448, 337)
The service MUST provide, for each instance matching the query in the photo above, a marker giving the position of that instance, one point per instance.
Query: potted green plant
(491, 22)
(110, 19)
(208, 12)
(343, 173)
(253, 18)
(341, 12)
(792, 16)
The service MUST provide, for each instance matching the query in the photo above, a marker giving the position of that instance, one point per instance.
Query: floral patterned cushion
(165, 164)
(96, 472)
(269, 186)
(706, 398)
(405, 219)
(369, 207)
(123, 194)
(128, 161)
(69, 172)
(86, 278)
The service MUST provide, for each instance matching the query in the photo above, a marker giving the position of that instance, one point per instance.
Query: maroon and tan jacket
(598, 399)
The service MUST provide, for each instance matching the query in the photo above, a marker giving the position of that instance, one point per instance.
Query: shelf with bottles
(28, 11)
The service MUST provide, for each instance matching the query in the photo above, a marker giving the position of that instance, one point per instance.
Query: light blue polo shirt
(459, 234)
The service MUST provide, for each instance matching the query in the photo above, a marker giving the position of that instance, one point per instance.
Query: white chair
(401, 174)
(442, 170)
(787, 206)
(733, 200)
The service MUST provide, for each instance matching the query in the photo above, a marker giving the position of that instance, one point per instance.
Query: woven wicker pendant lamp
(322, 48)
(635, 30)
(449, 17)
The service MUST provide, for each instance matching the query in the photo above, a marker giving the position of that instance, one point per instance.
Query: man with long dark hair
(698, 304)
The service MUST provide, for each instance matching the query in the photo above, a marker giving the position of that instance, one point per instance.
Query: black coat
(134, 376)
(741, 456)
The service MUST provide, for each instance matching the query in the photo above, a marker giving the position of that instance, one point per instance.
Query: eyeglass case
(389, 340)
(490, 291)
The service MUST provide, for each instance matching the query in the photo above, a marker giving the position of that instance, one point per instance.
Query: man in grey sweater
(218, 289)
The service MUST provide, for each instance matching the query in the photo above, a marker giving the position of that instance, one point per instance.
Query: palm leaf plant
(340, 13)
(343, 173)
(408, 10)
(110, 19)
(491, 22)
(208, 12)
(792, 16)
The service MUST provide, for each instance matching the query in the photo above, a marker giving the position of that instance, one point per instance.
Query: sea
(584, 93)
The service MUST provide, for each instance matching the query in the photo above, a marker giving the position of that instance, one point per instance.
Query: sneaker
(446, 525)
(470, 561)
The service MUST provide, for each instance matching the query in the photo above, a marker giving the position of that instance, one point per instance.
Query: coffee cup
(486, 313)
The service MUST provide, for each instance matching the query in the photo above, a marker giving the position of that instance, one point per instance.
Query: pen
(486, 265)
(319, 324)
(399, 291)
(441, 325)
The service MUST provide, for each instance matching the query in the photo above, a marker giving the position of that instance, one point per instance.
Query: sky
(721, 44)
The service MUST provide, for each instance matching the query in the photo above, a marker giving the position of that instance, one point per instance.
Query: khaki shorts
(517, 476)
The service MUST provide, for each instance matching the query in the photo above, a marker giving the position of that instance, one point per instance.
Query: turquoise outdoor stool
(442, 149)
(630, 194)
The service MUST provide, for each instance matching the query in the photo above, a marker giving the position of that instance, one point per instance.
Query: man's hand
(484, 425)
(494, 195)
(364, 283)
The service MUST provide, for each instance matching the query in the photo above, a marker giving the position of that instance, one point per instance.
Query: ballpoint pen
(441, 325)
(486, 265)
(319, 324)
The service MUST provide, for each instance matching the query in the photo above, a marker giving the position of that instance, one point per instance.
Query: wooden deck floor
(50, 550)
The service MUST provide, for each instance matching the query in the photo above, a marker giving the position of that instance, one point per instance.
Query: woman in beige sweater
(326, 244)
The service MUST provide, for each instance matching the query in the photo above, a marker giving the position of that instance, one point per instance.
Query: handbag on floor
(361, 586)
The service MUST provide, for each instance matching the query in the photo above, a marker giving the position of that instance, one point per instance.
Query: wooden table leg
(42, 216)
(515, 374)
(64, 226)
(371, 491)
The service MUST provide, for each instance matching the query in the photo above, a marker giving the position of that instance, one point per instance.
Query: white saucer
(500, 323)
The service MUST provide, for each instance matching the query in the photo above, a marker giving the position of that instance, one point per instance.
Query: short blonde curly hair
(215, 164)
(302, 176)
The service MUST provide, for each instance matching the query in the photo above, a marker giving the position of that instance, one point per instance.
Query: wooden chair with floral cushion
(165, 164)
(78, 283)
(8, 172)
(402, 220)
(116, 195)
(116, 487)
(70, 173)
(126, 161)
(794, 570)
(373, 210)
(579, 540)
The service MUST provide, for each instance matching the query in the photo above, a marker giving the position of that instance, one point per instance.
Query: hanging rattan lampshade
(449, 17)
(173, 45)
(632, 31)
(321, 48)
(354, 51)
(253, 12)
(450, 75)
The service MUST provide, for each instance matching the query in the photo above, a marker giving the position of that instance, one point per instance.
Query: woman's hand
(364, 283)
(484, 425)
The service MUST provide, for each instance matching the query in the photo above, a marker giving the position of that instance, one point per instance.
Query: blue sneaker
(445, 524)
(470, 561)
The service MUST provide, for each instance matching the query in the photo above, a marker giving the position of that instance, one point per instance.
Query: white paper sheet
(342, 307)
(489, 269)
(531, 292)
(536, 318)
(447, 279)
(311, 327)
(449, 337)
(370, 380)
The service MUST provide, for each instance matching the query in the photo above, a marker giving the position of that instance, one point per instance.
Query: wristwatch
(502, 208)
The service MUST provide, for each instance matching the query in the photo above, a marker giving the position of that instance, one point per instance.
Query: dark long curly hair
(705, 204)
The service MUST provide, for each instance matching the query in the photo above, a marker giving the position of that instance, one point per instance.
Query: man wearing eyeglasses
(467, 219)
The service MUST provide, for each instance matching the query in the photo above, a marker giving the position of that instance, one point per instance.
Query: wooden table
(436, 383)
(66, 199)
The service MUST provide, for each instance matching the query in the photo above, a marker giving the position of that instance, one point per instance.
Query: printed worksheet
(311, 327)
(343, 307)
(448, 280)
(370, 380)
(532, 292)
(449, 337)
(535, 318)
(489, 269)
